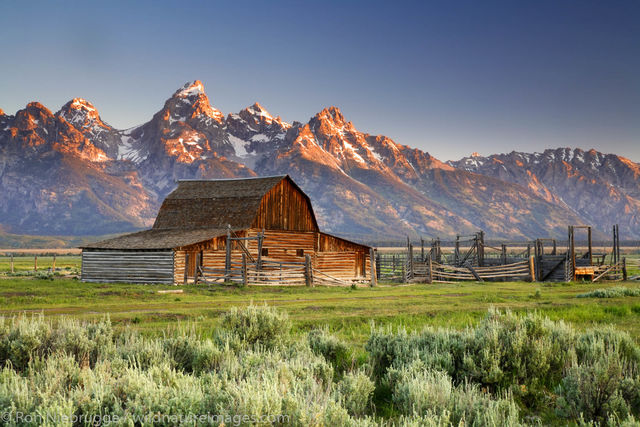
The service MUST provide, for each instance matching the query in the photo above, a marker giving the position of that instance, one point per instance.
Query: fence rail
(270, 273)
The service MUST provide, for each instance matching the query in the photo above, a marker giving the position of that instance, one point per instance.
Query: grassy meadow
(493, 353)
(347, 312)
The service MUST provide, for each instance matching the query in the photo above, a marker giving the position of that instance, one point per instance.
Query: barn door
(360, 264)
(191, 267)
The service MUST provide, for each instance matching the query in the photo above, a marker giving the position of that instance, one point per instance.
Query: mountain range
(71, 173)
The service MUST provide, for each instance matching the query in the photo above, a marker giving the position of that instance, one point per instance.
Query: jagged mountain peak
(79, 112)
(257, 114)
(331, 122)
(191, 102)
(33, 116)
(84, 116)
(189, 89)
(257, 107)
(36, 107)
(332, 114)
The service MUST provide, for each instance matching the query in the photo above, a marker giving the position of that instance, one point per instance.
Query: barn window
(265, 252)
(300, 252)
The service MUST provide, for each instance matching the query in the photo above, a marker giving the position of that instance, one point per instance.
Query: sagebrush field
(476, 354)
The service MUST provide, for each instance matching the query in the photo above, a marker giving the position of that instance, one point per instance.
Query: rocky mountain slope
(53, 180)
(604, 189)
(72, 173)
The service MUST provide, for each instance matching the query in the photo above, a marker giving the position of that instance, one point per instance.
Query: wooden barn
(255, 230)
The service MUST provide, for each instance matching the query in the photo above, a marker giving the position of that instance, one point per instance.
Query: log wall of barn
(127, 266)
(178, 266)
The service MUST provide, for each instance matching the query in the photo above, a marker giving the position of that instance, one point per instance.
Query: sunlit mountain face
(73, 173)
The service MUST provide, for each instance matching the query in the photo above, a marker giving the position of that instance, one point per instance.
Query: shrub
(593, 390)
(140, 353)
(616, 292)
(436, 377)
(331, 348)
(428, 393)
(25, 338)
(503, 350)
(356, 389)
(257, 325)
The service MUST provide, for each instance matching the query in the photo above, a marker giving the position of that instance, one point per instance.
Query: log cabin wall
(178, 266)
(127, 266)
(339, 257)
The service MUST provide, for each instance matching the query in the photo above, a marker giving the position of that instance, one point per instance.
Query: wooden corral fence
(270, 273)
(433, 272)
(258, 270)
(391, 266)
(473, 259)
(634, 265)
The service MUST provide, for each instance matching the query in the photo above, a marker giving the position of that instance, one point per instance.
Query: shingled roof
(158, 239)
(199, 210)
(214, 203)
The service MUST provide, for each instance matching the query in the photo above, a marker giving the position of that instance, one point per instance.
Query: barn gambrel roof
(200, 210)
(217, 203)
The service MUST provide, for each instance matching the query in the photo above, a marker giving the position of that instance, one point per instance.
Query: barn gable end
(285, 207)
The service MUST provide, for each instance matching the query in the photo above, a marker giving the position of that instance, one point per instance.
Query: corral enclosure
(471, 258)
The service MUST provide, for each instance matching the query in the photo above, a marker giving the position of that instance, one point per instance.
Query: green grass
(64, 263)
(347, 312)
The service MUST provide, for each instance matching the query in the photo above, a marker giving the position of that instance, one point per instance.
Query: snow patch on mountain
(239, 146)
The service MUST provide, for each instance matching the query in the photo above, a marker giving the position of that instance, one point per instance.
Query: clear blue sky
(449, 77)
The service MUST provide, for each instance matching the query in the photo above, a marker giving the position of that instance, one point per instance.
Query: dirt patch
(166, 316)
(16, 294)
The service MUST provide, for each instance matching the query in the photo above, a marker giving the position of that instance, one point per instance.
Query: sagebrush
(508, 370)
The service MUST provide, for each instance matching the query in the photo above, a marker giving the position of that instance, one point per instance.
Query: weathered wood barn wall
(193, 223)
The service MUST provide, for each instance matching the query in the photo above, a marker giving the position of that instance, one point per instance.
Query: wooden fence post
(378, 266)
(260, 241)
(53, 266)
(307, 270)
(244, 269)
(504, 254)
(481, 248)
(197, 271)
(624, 268)
(35, 263)
(11, 263)
(411, 261)
(430, 277)
(227, 260)
(532, 269)
(372, 261)
(186, 267)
